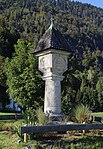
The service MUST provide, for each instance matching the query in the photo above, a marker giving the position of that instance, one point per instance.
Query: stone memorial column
(53, 64)
(52, 51)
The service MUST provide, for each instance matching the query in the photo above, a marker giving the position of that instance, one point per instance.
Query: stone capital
(53, 63)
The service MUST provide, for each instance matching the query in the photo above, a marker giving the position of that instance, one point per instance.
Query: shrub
(29, 116)
(82, 113)
(42, 119)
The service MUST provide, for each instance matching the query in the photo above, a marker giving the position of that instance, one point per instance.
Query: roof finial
(52, 20)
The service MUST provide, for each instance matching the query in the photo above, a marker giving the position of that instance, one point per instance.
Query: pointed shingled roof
(52, 39)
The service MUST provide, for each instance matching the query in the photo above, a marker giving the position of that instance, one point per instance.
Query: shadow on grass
(62, 143)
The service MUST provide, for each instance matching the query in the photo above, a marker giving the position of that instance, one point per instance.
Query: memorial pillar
(53, 64)
(52, 51)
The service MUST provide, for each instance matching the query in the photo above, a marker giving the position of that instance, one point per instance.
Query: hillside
(28, 19)
(82, 25)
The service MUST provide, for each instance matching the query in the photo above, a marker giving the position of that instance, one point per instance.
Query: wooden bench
(58, 128)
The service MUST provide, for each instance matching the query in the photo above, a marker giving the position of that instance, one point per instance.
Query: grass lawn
(98, 114)
(8, 140)
(8, 135)
(5, 113)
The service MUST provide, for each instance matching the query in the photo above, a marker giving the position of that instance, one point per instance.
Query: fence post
(25, 137)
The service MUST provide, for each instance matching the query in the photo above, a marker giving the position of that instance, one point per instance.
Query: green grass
(5, 113)
(8, 136)
(98, 114)
(8, 140)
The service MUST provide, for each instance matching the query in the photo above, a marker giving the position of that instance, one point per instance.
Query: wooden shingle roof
(52, 39)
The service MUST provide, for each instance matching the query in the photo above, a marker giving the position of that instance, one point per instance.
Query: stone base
(56, 117)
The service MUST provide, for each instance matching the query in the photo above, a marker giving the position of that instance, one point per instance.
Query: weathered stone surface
(53, 62)
(53, 65)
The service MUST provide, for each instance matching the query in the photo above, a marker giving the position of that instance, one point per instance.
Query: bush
(42, 119)
(29, 116)
(82, 113)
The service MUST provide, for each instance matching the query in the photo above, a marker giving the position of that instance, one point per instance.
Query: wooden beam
(59, 128)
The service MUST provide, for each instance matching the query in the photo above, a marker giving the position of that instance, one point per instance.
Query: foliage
(2, 73)
(68, 100)
(23, 79)
(7, 40)
(4, 98)
(17, 130)
(82, 113)
(29, 116)
(82, 82)
(42, 119)
(72, 146)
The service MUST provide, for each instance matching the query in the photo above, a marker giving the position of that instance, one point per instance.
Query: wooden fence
(10, 117)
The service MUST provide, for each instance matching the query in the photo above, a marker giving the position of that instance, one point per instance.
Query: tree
(4, 98)
(23, 78)
(7, 40)
(2, 73)
(83, 82)
(89, 92)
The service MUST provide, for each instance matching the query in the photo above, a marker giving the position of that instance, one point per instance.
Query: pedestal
(52, 104)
